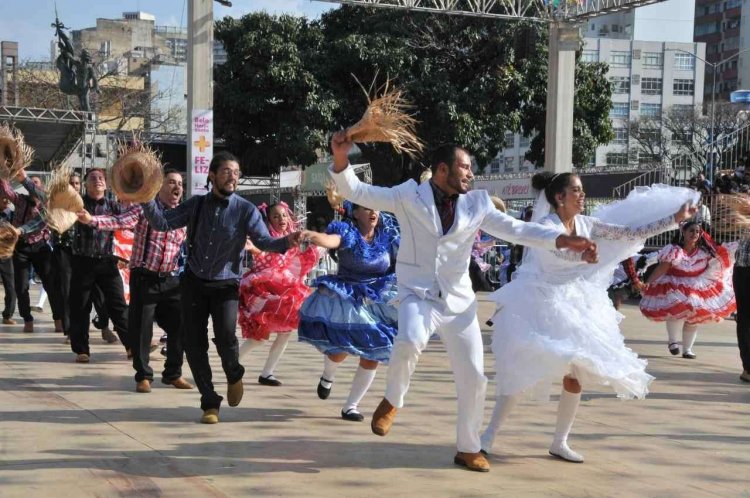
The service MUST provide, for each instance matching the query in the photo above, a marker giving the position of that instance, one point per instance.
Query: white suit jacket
(431, 265)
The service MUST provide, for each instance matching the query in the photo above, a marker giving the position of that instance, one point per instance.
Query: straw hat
(137, 175)
(15, 155)
(62, 200)
(498, 203)
(8, 239)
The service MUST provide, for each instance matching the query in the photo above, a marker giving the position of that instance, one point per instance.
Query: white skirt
(543, 332)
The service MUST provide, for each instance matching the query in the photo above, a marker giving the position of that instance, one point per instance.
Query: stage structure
(563, 17)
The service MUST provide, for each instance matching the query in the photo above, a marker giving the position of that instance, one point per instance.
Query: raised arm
(7, 192)
(259, 235)
(347, 183)
(172, 219)
(31, 187)
(325, 240)
(608, 231)
(109, 223)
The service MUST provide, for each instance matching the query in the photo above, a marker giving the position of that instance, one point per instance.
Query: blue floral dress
(349, 311)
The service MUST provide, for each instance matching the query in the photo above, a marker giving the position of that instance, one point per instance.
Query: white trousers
(418, 319)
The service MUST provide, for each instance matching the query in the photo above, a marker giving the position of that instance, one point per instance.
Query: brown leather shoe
(234, 393)
(180, 383)
(82, 358)
(472, 461)
(58, 326)
(9, 321)
(28, 327)
(210, 416)
(143, 386)
(382, 419)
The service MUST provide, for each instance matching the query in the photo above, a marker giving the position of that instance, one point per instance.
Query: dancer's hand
(294, 238)
(590, 255)
(340, 147)
(575, 243)
(687, 211)
(84, 217)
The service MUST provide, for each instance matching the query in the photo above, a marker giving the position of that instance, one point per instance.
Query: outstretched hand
(294, 238)
(583, 245)
(84, 217)
(686, 212)
(340, 147)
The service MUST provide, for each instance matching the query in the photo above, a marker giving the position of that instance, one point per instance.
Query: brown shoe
(28, 327)
(9, 321)
(143, 386)
(472, 461)
(210, 416)
(382, 419)
(180, 383)
(234, 393)
(745, 376)
(82, 358)
(58, 326)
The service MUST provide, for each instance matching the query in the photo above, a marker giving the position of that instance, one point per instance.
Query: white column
(558, 139)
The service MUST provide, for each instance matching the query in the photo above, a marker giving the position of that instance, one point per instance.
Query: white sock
(689, 334)
(504, 404)
(673, 330)
(277, 349)
(566, 414)
(248, 346)
(329, 371)
(361, 383)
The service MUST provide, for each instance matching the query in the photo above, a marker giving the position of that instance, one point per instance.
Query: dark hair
(445, 154)
(679, 239)
(221, 158)
(100, 170)
(169, 171)
(552, 184)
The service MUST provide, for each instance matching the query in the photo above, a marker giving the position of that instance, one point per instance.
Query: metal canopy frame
(532, 10)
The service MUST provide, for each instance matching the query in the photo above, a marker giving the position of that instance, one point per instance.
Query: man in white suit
(439, 219)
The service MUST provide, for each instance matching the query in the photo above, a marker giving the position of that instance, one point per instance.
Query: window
(621, 136)
(508, 163)
(684, 61)
(682, 109)
(590, 56)
(648, 159)
(617, 58)
(651, 86)
(619, 110)
(509, 142)
(684, 87)
(620, 84)
(617, 159)
(653, 59)
(682, 137)
(495, 166)
(650, 135)
(653, 110)
(524, 141)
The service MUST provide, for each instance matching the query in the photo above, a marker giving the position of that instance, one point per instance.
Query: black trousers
(40, 257)
(155, 298)
(218, 299)
(88, 272)
(61, 275)
(101, 320)
(6, 273)
(741, 281)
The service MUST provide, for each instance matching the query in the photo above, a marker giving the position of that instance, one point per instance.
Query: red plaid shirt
(26, 210)
(152, 250)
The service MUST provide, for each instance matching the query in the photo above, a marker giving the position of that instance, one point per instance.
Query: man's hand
(294, 238)
(84, 217)
(21, 176)
(575, 243)
(687, 211)
(340, 147)
(590, 255)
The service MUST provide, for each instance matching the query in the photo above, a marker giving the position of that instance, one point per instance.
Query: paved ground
(68, 429)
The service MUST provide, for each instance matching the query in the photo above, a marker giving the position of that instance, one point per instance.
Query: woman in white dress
(555, 319)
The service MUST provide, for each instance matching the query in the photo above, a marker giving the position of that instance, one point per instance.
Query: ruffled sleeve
(671, 254)
(344, 230)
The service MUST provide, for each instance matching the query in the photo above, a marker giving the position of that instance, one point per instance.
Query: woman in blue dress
(349, 313)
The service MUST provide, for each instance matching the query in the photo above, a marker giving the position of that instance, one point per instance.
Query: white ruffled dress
(555, 317)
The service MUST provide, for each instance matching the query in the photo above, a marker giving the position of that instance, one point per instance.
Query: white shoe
(562, 451)
(37, 308)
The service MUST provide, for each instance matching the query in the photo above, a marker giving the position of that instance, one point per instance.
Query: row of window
(652, 86)
(682, 61)
(623, 159)
(652, 136)
(622, 109)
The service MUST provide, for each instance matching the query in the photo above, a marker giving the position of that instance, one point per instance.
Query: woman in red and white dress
(691, 285)
(273, 290)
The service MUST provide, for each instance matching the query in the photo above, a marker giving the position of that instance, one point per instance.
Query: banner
(514, 188)
(202, 149)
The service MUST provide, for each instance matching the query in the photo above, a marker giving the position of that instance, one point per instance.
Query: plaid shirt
(152, 250)
(26, 211)
(93, 243)
(742, 256)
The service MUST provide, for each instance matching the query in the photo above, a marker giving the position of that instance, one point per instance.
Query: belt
(154, 274)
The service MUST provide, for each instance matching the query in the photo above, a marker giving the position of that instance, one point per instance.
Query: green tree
(270, 107)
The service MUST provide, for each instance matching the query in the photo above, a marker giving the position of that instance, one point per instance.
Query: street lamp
(714, 68)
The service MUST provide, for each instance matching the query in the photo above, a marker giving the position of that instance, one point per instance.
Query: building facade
(722, 25)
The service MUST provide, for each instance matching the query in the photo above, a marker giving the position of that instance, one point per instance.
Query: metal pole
(713, 125)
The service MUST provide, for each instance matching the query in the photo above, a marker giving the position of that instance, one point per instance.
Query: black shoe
(352, 414)
(483, 452)
(323, 392)
(689, 355)
(271, 381)
(489, 323)
(674, 348)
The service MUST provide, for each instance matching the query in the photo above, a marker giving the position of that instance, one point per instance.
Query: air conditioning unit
(636, 79)
(636, 53)
(634, 105)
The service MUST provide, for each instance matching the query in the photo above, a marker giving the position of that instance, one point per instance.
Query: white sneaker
(562, 451)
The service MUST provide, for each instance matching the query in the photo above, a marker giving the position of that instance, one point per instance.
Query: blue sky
(28, 21)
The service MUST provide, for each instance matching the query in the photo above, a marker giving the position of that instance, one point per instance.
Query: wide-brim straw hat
(15, 155)
(8, 239)
(60, 220)
(62, 198)
(137, 175)
(67, 200)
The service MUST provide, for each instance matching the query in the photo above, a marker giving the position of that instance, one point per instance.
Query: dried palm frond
(386, 119)
(335, 199)
(63, 202)
(8, 239)
(731, 213)
(15, 155)
(137, 174)
(60, 220)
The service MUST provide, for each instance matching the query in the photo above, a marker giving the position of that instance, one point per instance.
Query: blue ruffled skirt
(351, 317)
